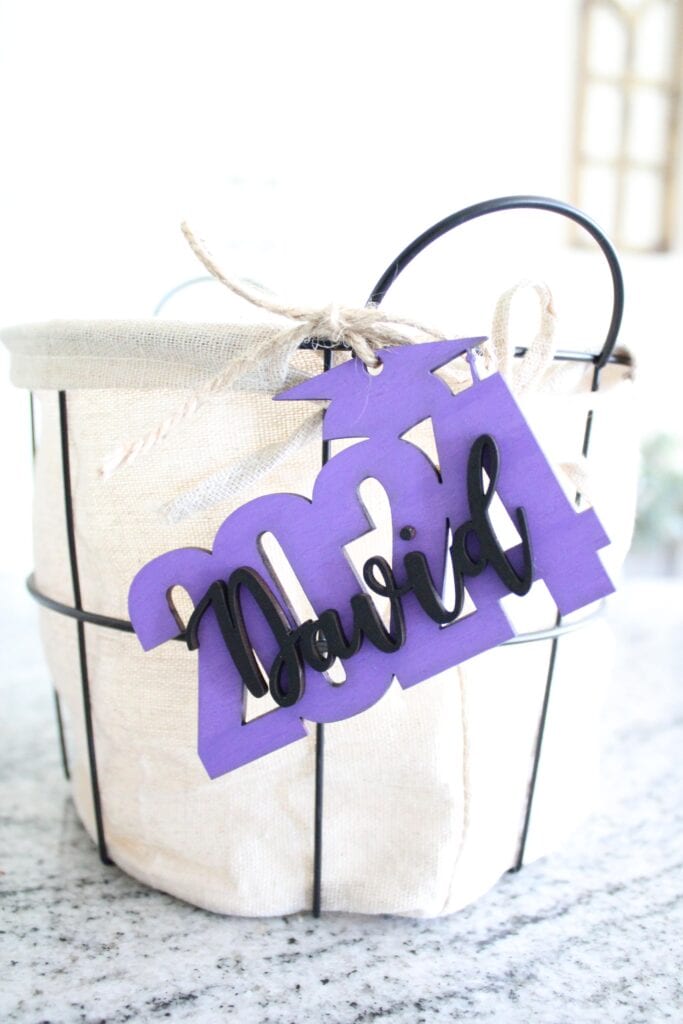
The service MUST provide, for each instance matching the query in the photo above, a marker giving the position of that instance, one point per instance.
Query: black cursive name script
(319, 642)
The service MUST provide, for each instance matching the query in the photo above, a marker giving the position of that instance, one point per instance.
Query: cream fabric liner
(148, 354)
(425, 792)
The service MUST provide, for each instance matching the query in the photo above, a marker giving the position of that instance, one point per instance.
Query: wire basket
(415, 807)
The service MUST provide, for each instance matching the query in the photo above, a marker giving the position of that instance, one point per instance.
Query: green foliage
(660, 498)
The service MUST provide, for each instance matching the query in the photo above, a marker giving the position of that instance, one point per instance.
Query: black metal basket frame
(83, 617)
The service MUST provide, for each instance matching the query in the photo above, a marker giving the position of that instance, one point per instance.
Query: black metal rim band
(124, 626)
(562, 355)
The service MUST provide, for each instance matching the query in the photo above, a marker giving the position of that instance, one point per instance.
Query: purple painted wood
(378, 407)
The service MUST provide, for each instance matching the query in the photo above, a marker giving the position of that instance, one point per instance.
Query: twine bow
(362, 331)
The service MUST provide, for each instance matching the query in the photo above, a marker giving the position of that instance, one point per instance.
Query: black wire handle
(516, 203)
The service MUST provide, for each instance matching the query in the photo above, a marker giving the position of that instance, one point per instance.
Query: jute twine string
(361, 330)
(523, 376)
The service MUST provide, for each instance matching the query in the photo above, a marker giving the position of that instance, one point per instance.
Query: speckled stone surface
(593, 933)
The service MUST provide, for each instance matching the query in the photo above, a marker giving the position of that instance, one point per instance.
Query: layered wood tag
(285, 613)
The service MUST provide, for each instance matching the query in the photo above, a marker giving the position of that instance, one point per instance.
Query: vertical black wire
(82, 653)
(320, 745)
(552, 661)
(33, 425)
(58, 706)
(60, 733)
(519, 863)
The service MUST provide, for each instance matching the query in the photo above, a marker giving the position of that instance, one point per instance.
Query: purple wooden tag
(485, 448)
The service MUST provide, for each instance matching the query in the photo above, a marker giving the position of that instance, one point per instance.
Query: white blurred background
(309, 142)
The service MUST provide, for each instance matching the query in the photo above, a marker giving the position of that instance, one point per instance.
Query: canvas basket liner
(425, 793)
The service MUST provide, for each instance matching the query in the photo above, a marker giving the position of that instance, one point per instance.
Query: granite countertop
(592, 933)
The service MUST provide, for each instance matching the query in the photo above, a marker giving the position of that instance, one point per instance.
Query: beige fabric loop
(527, 372)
